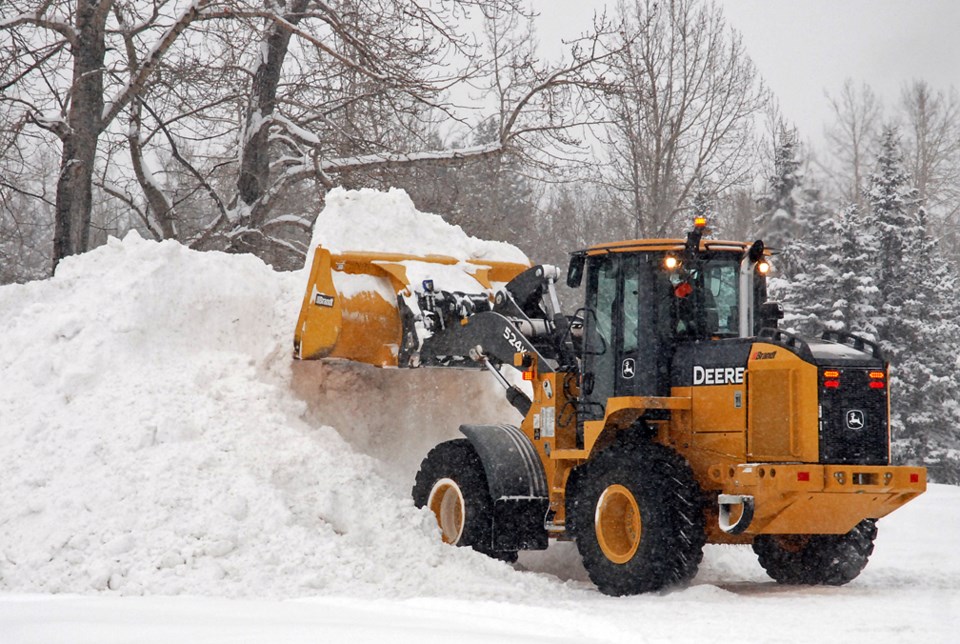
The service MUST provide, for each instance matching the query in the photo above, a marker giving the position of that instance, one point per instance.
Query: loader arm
(490, 334)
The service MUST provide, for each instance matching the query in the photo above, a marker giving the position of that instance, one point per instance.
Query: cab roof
(676, 245)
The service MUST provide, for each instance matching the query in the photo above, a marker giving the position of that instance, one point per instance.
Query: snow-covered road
(910, 592)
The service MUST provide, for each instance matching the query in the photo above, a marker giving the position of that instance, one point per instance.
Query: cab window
(720, 291)
(706, 298)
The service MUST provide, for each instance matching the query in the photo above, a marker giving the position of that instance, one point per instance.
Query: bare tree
(360, 101)
(853, 140)
(337, 93)
(542, 112)
(26, 206)
(27, 168)
(932, 147)
(683, 116)
(42, 39)
(222, 124)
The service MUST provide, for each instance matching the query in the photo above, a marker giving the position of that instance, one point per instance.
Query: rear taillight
(831, 378)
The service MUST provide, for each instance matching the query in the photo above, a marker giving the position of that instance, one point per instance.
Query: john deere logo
(324, 300)
(855, 419)
(629, 368)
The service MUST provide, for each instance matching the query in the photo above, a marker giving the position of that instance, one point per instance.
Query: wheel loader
(667, 411)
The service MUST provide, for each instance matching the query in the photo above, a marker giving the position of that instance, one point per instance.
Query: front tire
(636, 513)
(453, 485)
(817, 559)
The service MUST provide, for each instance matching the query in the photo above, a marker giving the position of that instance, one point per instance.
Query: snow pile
(153, 443)
(388, 222)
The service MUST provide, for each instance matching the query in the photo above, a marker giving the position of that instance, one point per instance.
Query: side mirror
(770, 312)
(575, 270)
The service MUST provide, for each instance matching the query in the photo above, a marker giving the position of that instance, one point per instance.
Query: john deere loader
(666, 412)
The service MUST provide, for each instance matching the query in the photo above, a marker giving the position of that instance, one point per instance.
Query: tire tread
(671, 547)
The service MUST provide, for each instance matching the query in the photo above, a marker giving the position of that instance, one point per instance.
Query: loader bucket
(365, 307)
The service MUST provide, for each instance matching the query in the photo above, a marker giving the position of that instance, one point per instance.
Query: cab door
(643, 327)
(627, 330)
(599, 336)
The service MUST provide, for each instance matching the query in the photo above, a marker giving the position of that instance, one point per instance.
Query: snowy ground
(170, 474)
(909, 592)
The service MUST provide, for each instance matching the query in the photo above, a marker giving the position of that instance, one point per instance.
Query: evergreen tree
(880, 273)
(925, 384)
(853, 253)
(917, 318)
(778, 219)
(807, 293)
(891, 201)
(702, 206)
(833, 288)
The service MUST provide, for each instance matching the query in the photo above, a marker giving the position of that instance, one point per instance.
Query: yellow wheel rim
(618, 524)
(446, 503)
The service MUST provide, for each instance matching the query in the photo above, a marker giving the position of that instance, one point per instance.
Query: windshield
(707, 297)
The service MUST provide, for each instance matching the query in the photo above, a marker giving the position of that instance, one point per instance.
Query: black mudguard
(517, 485)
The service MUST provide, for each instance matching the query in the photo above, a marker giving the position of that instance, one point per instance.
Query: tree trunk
(255, 162)
(84, 120)
(160, 214)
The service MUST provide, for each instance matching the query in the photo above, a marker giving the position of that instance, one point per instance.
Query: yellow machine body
(769, 454)
(765, 446)
(757, 436)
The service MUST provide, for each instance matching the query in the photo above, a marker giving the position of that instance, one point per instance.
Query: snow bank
(388, 222)
(154, 443)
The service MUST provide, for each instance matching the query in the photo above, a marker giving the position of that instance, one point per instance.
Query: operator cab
(646, 299)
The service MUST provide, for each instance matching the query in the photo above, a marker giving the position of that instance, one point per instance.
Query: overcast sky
(805, 47)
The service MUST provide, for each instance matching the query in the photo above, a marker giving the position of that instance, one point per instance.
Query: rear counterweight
(853, 416)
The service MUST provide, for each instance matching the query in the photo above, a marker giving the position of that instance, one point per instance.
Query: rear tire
(817, 559)
(453, 485)
(637, 516)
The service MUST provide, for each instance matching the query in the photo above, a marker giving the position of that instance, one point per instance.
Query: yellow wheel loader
(667, 412)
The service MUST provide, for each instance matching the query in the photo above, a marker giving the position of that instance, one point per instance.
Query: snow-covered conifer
(917, 318)
(833, 288)
(926, 388)
(891, 204)
(778, 219)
